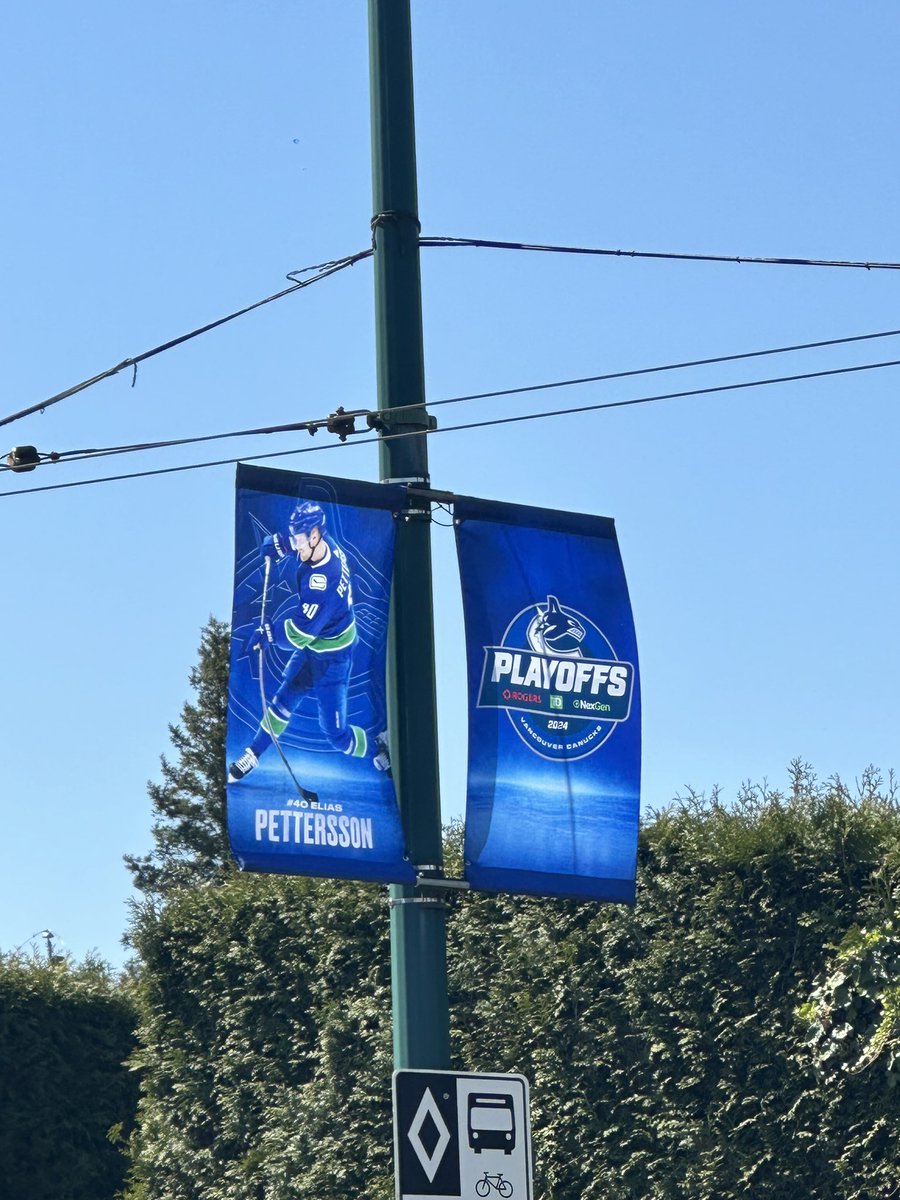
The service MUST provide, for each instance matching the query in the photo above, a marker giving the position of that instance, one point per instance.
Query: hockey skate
(242, 766)
(382, 759)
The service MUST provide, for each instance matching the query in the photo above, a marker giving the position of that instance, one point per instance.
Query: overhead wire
(678, 366)
(707, 391)
(69, 456)
(753, 260)
(324, 270)
(311, 425)
(491, 422)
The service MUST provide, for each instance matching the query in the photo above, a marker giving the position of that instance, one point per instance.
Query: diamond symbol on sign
(429, 1109)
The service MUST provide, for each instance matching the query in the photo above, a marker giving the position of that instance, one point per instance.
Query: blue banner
(309, 782)
(554, 703)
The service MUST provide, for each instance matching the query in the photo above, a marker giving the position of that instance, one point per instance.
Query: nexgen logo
(579, 676)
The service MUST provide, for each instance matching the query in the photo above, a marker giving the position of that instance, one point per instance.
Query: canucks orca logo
(555, 631)
(559, 679)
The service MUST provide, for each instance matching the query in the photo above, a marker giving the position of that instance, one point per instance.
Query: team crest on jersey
(558, 677)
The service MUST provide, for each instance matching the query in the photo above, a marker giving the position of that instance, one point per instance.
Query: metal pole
(418, 921)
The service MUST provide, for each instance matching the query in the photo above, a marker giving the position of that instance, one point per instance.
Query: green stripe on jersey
(319, 645)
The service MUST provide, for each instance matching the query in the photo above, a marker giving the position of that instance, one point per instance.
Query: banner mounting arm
(425, 881)
(433, 495)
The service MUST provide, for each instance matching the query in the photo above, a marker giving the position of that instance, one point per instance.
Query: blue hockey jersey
(321, 619)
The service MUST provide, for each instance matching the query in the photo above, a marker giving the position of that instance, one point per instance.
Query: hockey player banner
(309, 783)
(554, 703)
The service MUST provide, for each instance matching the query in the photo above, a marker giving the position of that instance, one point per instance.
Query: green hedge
(266, 1043)
(683, 1048)
(66, 1101)
(672, 1046)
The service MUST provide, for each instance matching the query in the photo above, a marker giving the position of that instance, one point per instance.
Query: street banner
(309, 782)
(554, 703)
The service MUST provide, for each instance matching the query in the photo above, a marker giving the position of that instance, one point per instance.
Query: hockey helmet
(306, 517)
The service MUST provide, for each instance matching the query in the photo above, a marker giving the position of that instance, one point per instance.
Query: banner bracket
(426, 881)
(431, 494)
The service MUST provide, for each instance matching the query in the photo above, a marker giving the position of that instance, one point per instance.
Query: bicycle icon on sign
(489, 1183)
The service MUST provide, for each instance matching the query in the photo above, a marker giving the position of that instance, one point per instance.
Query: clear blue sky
(168, 163)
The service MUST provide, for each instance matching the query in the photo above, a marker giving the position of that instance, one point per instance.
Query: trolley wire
(519, 418)
(696, 362)
(311, 426)
(70, 456)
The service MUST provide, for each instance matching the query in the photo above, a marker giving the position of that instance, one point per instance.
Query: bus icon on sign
(491, 1123)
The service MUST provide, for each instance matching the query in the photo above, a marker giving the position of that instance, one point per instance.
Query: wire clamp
(403, 424)
(343, 423)
(394, 214)
(23, 458)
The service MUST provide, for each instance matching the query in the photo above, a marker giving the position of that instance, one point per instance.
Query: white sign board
(460, 1136)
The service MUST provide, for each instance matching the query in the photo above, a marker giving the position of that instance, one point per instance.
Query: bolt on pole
(421, 1017)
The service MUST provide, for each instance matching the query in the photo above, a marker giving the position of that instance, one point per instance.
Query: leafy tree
(189, 826)
(66, 1102)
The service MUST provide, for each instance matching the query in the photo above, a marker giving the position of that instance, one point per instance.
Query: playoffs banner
(554, 703)
(309, 784)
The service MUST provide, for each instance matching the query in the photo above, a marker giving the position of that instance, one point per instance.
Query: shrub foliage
(66, 1101)
(734, 1035)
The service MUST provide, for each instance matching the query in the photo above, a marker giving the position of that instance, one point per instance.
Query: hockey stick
(304, 792)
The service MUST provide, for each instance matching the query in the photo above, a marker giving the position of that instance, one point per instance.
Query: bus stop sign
(461, 1136)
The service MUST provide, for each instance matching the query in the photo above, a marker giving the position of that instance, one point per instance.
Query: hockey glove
(275, 546)
(261, 638)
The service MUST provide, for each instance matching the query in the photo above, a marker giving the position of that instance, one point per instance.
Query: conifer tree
(189, 826)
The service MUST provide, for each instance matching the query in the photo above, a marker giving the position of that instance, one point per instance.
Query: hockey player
(321, 629)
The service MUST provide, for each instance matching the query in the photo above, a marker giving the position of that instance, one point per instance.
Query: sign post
(461, 1136)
